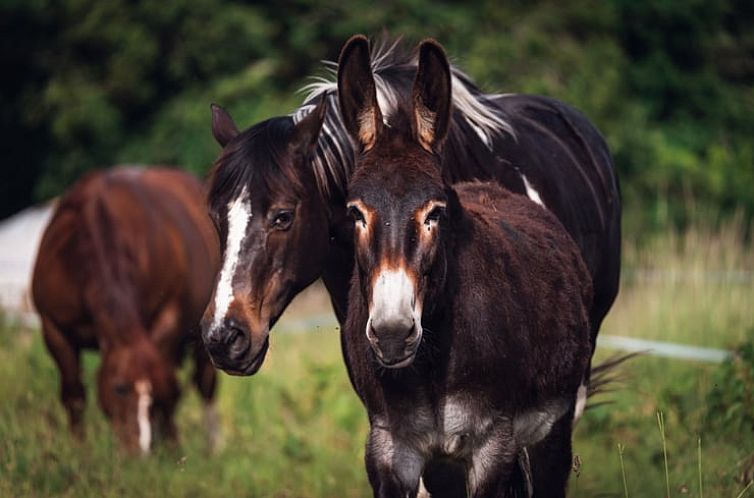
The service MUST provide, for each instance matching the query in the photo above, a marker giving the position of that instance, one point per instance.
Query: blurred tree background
(91, 83)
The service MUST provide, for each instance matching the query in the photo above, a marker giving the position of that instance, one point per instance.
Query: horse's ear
(432, 95)
(223, 127)
(357, 92)
(307, 130)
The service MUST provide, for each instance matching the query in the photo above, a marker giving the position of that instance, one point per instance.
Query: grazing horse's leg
(393, 468)
(205, 380)
(552, 459)
(66, 356)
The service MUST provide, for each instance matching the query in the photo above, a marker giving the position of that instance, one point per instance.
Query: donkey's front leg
(494, 471)
(393, 467)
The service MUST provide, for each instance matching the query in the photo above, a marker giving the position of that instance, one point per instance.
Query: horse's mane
(394, 68)
(266, 142)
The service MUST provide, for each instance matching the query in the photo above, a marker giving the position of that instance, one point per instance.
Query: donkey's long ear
(431, 96)
(306, 131)
(223, 127)
(357, 92)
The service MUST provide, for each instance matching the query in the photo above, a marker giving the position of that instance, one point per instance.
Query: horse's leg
(393, 468)
(66, 356)
(205, 380)
(552, 459)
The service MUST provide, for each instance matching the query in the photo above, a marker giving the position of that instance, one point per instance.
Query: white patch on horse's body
(530, 192)
(239, 215)
(394, 300)
(581, 396)
(143, 390)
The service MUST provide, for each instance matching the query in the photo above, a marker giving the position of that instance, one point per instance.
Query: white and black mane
(393, 69)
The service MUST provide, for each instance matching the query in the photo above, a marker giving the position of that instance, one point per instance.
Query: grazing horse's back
(126, 265)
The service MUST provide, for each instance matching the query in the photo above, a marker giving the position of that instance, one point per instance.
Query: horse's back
(567, 164)
(126, 227)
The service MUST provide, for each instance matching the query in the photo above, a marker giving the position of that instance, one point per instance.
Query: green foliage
(670, 83)
(731, 399)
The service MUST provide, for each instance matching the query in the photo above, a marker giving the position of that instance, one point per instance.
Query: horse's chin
(250, 366)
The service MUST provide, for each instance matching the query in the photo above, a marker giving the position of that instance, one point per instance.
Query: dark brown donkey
(127, 266)
(467, 332)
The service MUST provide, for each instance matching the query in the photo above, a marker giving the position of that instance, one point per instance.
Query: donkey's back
(528, 290)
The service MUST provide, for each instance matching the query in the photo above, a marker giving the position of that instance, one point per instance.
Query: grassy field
(297, 430)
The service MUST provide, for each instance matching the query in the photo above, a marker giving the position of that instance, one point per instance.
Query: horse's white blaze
(531, 193)
(580, 403)
(393, 299)
(144, 392)
(239, 215)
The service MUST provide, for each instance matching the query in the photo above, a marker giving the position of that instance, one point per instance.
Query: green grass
(297, 430)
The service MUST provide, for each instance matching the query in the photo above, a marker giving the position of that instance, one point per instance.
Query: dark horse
(468, 331)
(278, 193)
(126, 266)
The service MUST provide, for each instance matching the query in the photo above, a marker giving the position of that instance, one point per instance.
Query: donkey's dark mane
(476, 122)
(267, 142)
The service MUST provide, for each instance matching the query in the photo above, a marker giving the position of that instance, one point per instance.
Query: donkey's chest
(453, 426)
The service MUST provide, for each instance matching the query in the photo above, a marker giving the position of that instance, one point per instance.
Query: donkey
(126, 266)
(278, 190)
(467, 332)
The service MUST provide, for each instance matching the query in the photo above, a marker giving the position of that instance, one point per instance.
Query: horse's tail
(606, 377)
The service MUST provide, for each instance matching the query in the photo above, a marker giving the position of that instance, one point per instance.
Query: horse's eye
(282, 220)
(122, 388)
(356, 215)
(434, 215)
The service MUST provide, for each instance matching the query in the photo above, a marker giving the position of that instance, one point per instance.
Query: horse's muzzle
(232, 348)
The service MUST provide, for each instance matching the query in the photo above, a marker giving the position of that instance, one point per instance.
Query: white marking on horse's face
(394, 300)
(143, 390)
(239, 216)
(581, 396)
(530, 192)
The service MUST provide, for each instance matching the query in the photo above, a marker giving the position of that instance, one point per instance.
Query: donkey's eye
(282, 220)
(356, 214)
(434, 215)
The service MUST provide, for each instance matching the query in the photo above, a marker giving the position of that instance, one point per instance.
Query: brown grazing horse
(126, 266)
(468, 321)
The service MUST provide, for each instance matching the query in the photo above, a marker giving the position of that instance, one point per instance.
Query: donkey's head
(138, 392)
(397, 196)
(272, 222)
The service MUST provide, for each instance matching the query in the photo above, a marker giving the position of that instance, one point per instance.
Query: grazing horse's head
(272, 222)
(397, 197)
(137, 391)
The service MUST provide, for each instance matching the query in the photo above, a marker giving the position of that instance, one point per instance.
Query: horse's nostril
(232, 334)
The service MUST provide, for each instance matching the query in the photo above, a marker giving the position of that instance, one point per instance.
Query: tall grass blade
(623, 469)
(661, 425)
(699, 460)
(741, 494)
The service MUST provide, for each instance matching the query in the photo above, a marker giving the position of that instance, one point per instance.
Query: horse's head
(137, 391)
(397, 196)
(273, 227)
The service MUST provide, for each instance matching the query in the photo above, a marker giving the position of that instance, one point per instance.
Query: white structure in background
(19, 240)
